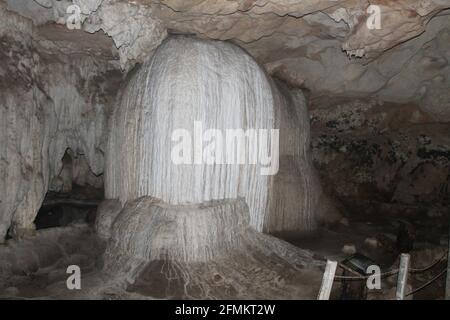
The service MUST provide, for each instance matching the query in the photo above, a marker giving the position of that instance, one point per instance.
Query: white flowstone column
(190, 81)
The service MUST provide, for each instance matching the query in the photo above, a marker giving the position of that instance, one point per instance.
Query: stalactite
(184, 233)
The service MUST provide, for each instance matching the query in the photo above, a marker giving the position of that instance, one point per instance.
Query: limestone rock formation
(205, 251)
(135, 31)
(296, 201)
(398, 21)
(380, 158)
(193, 85)
(301, 42)
(107, 213)
(161, 251)
(48, 103)
(192, 214)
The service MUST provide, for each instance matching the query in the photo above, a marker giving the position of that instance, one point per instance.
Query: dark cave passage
(76, 193)
(63, 209)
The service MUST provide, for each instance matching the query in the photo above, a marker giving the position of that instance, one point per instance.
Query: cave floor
(38, 265)
(376, 238)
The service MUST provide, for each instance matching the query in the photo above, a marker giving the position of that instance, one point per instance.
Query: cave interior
(92, 92)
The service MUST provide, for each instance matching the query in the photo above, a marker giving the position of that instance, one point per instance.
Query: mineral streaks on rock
(219, 85)
(17, 147)
(294, 197)
(153, 230)
(188, 80)
(107, 212)
(195, 228)
(204, 251)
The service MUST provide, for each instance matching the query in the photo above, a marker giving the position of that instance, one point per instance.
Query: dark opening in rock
(60, 210)
(74, 194)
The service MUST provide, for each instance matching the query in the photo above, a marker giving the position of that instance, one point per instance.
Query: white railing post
(327, 280)
(402, 276)
(447, 283)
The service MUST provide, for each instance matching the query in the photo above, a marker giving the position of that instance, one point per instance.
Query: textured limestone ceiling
(327, 46)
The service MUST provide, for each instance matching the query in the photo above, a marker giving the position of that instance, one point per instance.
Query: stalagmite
(190, 83)
(294, 197)
(177, 218)
(47, 105)
(206, 251)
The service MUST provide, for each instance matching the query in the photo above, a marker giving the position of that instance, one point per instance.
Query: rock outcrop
(49, 103)
(381, 159)
(306, 43)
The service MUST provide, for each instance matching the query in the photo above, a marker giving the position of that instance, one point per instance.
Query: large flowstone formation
(205, 251)
(217, 85)
(193, 230)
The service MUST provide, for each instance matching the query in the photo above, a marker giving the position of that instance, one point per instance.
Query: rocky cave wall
(50, 102)
(382, 159)
(325, 46)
